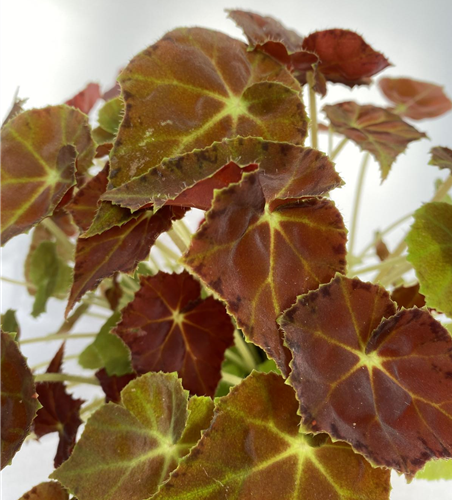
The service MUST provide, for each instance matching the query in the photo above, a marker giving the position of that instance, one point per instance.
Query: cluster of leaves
(361, 379)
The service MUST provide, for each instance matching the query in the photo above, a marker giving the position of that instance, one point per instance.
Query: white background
(52, 48)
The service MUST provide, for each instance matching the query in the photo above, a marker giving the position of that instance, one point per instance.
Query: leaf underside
(380, 381)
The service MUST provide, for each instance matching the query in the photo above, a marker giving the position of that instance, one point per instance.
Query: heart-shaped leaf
(50, 490)
(415, 99)
(19, 398)
(41, 150)
(60, 412)
(257, 252)
(376, 130)
(441, 157)
(254, 449)
(168, 327)
(127, 450)
(381, 382)
(430, 251)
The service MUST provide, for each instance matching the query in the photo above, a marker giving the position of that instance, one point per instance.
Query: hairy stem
(312, 109)
(357, 202)
(65, 377)
(395, 261)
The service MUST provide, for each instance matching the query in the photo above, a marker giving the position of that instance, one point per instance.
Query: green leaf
(9, 322)
(111, 114)
(254, 449)
(49, 274)
(107, 351)
(435, 470)
(430, 251)
(127, 450)
(19, 398)
(41, 150)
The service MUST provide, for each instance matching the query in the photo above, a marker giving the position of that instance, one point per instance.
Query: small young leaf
(107, 351)
(430, 251)
(381, 382)
(9, 323)
(50, 490)
(19, 401)
(415, 99)
(110, 115)
(257, 252)
(384, 134)
(41, 150)
(118, 249)
(168, 327)
(441, 157)
(60, 412)
(436, 470)
(49, 274)
(86, 98)
(345, 57)
(128, 450)
(254, 449)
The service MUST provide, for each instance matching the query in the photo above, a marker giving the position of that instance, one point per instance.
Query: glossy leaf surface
(254, 449)
(127, 450)
(381, 382)
(60, 412)
(19, 402)
(118, 249)
(107, 351)
(415, 99)
(168, 327)
(376, 130)
(345, 57)
(86, 98)
(50, 490)
(257, 252)
(430, 251)
(41, 150)
(441, 157)
(287, 171)
(197, 86)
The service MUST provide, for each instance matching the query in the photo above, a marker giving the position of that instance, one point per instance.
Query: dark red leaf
(113, 293)
(86, 98)
(380, 381)
(19, 399)
(168, 327)
(407, 297)
(117, 250)
(60, 412)
(113, 385)
(344, 56)
(415, 99)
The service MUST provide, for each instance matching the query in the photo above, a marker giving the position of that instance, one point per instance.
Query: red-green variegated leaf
(86, 98)
(19, 398)
(415, 99)
(381, 382)
(376, 130)
(254, 450)
(60, 412)
(273, 38)
(169, 328)
(441, 157)
(344, 56)
(117, 250)
(127, 450)
(84, 205)
(288, 171)
(41, 150)
(50, 490)
(257, 252)
(197, 86)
